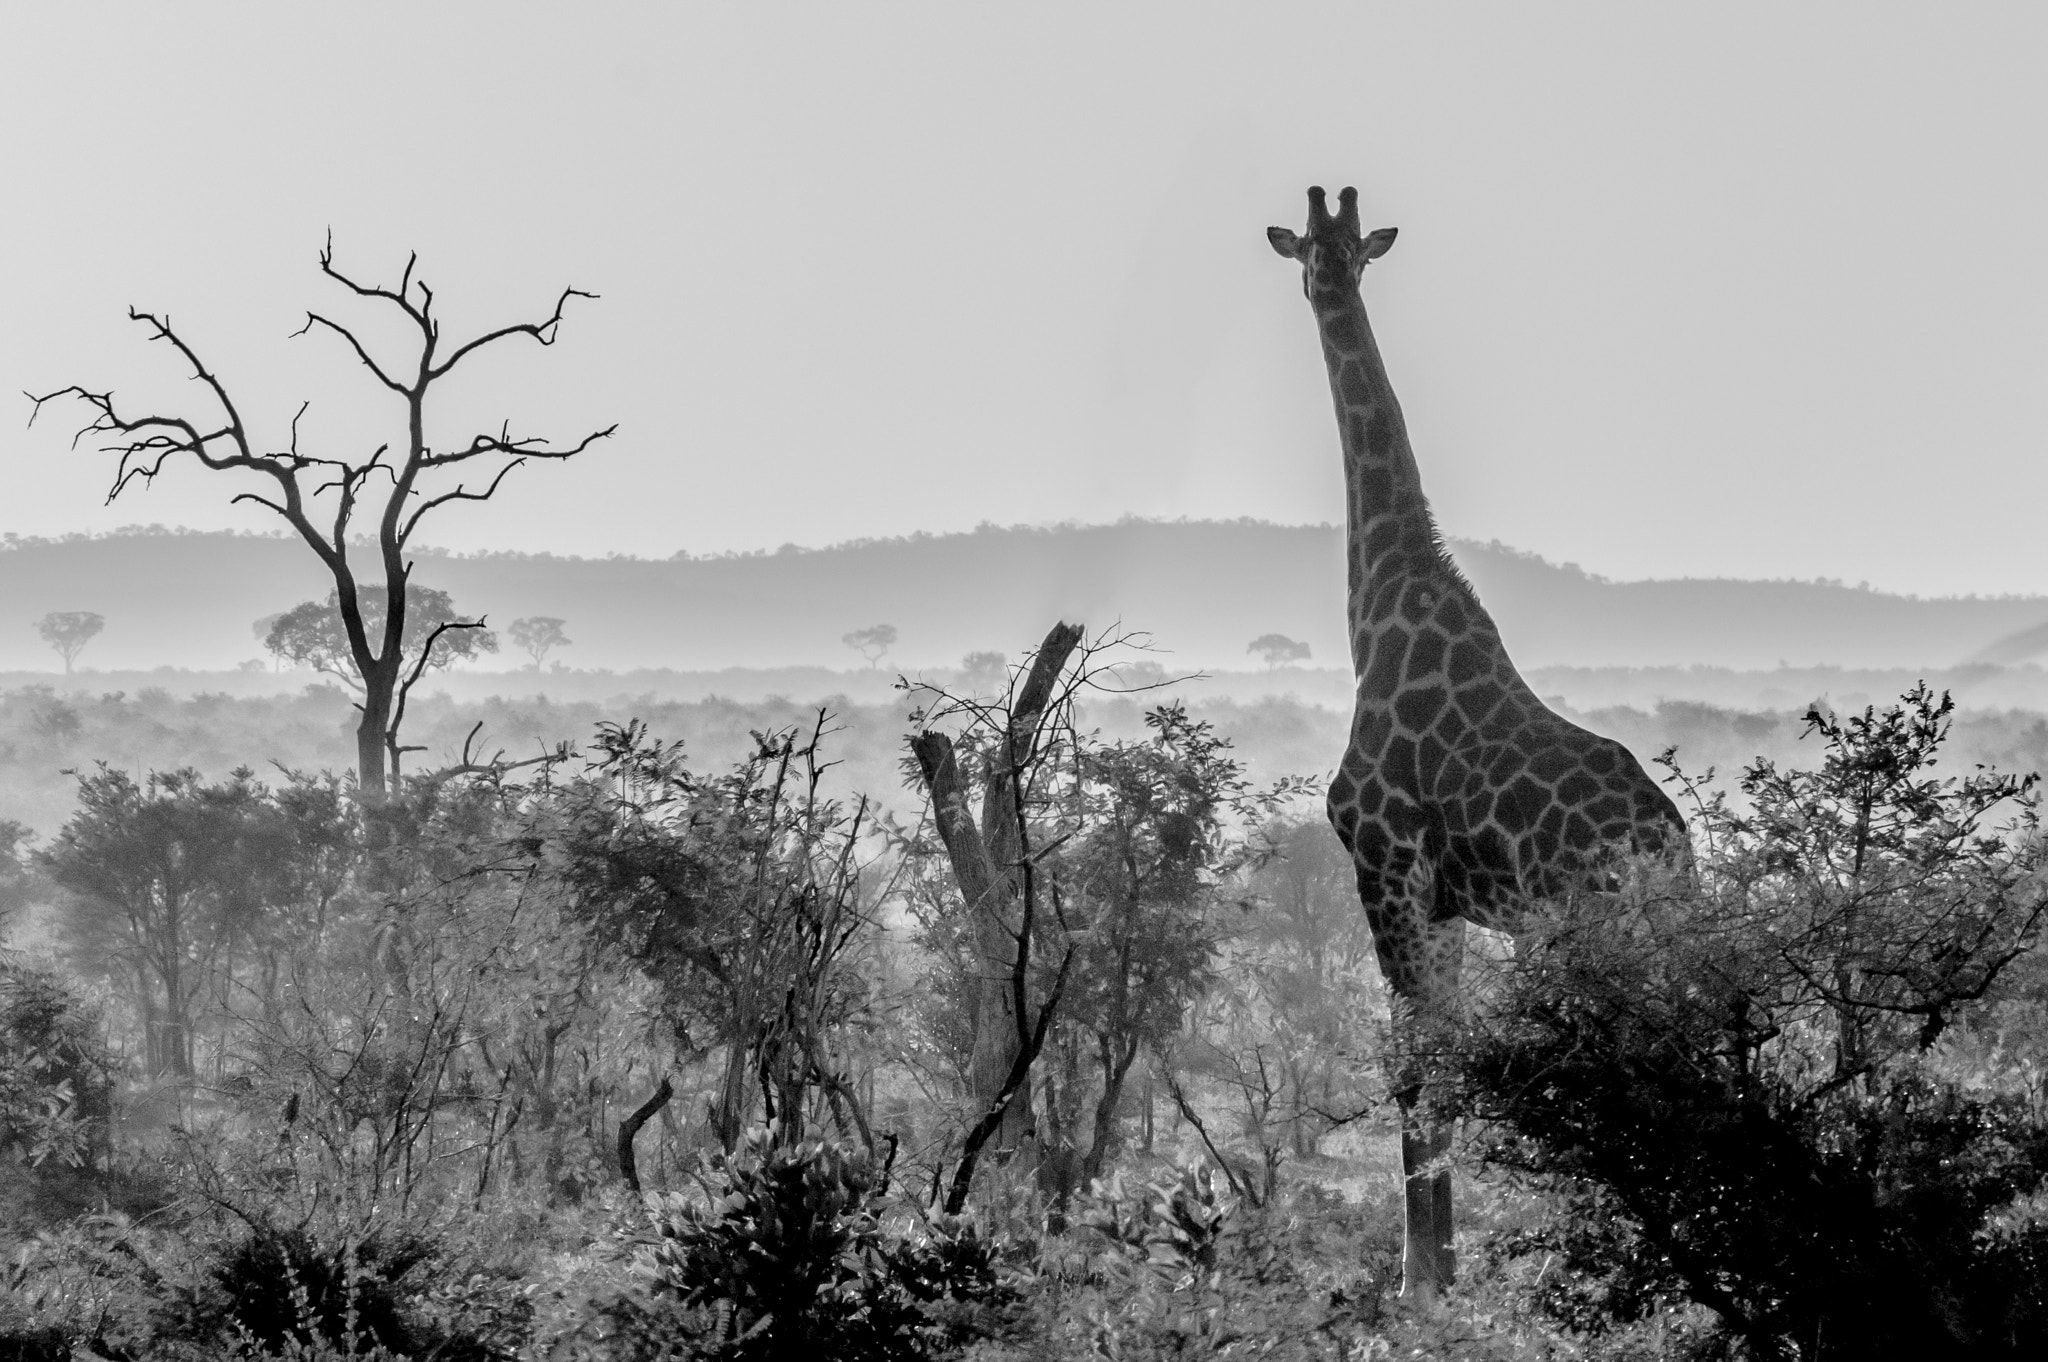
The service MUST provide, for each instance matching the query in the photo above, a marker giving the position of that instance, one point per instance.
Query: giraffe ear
(1379, 242)
(1285, 242)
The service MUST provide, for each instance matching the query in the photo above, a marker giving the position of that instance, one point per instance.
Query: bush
(283, 1290)
(791, 1254)
(56, 1096)
(1743, 1071)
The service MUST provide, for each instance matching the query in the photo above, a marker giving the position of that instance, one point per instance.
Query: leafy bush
(792, 1254)
(1748, 1065)
(281, 1287)
(56, 1100)
(56, 1079)
(1178, 1268)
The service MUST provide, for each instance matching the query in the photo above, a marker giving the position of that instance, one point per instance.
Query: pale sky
(1729, 289)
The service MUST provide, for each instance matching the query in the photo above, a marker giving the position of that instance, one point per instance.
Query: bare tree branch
(459, 494)
(544, 332)
(145, 445)
(315, 319)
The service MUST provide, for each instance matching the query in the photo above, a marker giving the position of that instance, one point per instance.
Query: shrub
(1743, 1071)
(56, 1098)
(792, 1254)
(285, 1291)
(56, 1079)
(1179, 1268)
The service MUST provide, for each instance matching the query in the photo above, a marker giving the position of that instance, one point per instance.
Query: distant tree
(261, 629)
(1277, 650)
(537, 636)
(983, 672)
(313, 634)
(871, 642)
(396, 483)
(68, 631)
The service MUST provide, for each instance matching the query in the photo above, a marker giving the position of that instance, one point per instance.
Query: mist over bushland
(1202, 589)
(45, 732)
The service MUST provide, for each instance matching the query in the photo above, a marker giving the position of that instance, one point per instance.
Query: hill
(1202, 589)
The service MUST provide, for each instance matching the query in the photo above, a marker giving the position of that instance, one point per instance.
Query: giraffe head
(1333, 254)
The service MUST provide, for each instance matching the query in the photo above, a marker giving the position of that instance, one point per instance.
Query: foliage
(1287, 1044)
(1153, 829)
(1089, 881)
(1178, 1268)
(167, 879)
(279, 1285)
(740, 897)
(537, 636)
(56, 1077)
(68, 631)
(1748, 1065)
(312, 634)
(792, 1255)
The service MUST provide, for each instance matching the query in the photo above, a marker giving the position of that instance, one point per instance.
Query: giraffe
(1461, 798)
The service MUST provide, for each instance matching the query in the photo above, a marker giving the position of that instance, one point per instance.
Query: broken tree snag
(629, 1130)
(1020, 1072)
(991, 865)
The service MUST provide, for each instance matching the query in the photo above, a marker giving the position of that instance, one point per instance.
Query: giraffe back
(1454, 762)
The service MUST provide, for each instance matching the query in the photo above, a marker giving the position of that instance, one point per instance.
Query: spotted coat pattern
(1461, 796)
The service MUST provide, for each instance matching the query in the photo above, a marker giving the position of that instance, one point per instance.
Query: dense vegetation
(286, 1075)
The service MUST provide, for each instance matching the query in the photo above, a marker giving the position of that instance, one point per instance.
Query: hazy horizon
(138, 529)
(1748, 293)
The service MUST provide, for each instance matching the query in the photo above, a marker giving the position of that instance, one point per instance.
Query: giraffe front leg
(1426, 1210)
(1419, 959)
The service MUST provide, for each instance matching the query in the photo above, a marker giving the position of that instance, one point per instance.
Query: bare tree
(68, 631)
(537, 636)
(320, 496)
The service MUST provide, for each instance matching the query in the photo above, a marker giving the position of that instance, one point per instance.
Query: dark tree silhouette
(319, 496)
(68, 631)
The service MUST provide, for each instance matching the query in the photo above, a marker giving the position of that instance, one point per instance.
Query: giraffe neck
(1389, 529)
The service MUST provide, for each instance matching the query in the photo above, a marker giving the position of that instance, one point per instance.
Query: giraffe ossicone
(1461, 797)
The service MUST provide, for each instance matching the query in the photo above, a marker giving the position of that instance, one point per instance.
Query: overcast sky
(1724, 289)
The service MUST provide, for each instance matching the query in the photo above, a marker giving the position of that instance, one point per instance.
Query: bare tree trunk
(372, 734)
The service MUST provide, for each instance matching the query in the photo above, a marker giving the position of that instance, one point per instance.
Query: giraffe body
(1461, 797)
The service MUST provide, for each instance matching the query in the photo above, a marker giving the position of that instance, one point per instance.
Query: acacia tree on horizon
(68, 631)
(335, 489)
